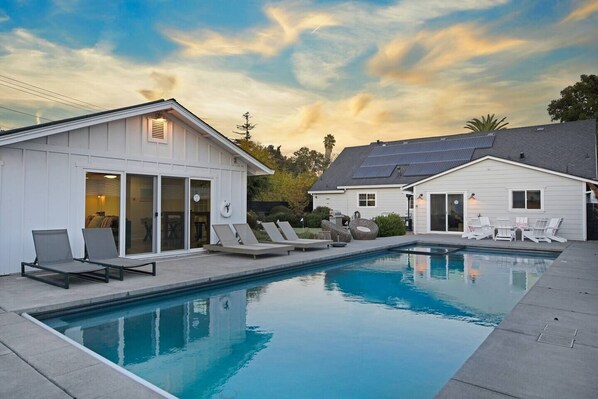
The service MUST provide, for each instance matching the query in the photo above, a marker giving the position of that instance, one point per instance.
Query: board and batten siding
(388, 200)
(491, 181)
(42, 181)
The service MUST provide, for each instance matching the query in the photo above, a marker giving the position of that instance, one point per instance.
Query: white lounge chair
(504, 230)
(473, 225)
(553, 228)
(538, 232)
(485, 230)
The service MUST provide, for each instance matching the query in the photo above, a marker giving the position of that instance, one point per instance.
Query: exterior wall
(491, 181)
(388, 200)
(42, 181)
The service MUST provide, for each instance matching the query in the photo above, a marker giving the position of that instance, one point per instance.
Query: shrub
(280, 209)
(390, 225)
(324, 210)
(252, 219)
(314, 219)
(283, 216)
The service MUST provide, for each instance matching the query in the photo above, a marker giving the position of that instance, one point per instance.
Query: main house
(439, 182)
(154, 173)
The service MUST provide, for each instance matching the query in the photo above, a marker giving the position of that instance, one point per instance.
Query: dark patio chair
(101, 250)
(53, 254)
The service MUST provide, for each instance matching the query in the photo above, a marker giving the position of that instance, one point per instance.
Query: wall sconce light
(159, 116)
(472, 196)
(421, 197)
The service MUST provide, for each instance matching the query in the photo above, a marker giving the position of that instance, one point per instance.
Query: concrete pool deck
(510, 363)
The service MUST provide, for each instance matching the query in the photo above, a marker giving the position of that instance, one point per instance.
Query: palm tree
(488, 123)
(329, 142)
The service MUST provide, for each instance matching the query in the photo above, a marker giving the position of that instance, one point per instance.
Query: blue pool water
(385, 326)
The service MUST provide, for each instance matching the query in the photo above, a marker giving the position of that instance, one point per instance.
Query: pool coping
(301, 262)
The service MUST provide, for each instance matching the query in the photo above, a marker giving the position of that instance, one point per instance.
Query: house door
(140, 208)
(199, 211)
(446, 212)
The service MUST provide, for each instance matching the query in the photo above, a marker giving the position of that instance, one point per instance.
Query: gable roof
(171, 107)
(489, 157)
(568, 148)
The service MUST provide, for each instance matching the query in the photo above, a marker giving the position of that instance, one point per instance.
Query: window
(367, 199)
(526, 199)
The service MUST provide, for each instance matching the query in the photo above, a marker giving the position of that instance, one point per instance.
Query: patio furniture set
(544, 230)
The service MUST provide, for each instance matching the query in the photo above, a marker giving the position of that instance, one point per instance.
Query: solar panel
(366, 172)
(430, 168)
(421, 158)
(435, 145)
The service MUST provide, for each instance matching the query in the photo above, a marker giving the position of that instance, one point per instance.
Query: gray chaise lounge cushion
(53, 253)
(230, 244)
(301, 243)
(101, 249)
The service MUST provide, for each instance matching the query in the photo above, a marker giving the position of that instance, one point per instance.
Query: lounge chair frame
(299, 243)
(553, 228)
(101, 250)
(537, 232)
(67, 266)
(230, 244)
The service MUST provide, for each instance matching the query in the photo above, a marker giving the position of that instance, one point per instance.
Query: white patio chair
(504, 230)
(473, 225)
(553, 228)
(538, 232)
(485, 230)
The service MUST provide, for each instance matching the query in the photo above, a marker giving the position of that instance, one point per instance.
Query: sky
(360, 70)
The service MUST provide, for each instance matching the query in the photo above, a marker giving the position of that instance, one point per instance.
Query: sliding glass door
(140, 210)
(173, 213)
(446, 212)
(199, 210)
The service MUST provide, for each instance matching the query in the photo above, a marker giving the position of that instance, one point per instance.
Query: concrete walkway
(37, 363)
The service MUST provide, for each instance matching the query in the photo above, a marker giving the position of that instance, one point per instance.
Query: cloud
(309, 116)
(4, 16)
(164, 83)
(582, 12)
(359, 102)
(285, 29)
(423, 57)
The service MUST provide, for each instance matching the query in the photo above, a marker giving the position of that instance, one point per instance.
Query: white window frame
(374, 193)
(525, 190)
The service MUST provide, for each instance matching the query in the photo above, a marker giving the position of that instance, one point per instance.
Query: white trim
(366, 193)
(370, 187)
(489, 157)
(326, 192)
(584, 214)
(144, 109)
(525, 190)
(101, 359)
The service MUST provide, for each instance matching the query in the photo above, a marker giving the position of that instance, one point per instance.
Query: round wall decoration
(226, 209)
(196, 198)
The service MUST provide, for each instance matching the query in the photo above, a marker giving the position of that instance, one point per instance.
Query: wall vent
(158, 129)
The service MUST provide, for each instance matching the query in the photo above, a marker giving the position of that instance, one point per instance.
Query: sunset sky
(360, 70)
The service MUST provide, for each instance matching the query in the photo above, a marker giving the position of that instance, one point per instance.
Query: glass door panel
(200, 205)
(455, 212)
(173, 213)
(102, 202)
(438, 212)
(140, 208)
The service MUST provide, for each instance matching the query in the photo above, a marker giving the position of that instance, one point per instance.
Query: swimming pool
(386, 325)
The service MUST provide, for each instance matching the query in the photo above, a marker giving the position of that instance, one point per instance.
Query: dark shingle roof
(562, 147)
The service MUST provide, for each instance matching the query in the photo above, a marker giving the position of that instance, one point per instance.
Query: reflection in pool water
(391, 325)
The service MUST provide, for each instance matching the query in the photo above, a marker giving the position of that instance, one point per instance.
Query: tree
(245, 128)
(488, 123)
(329, 142)
(305, 160)
(577, 102)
